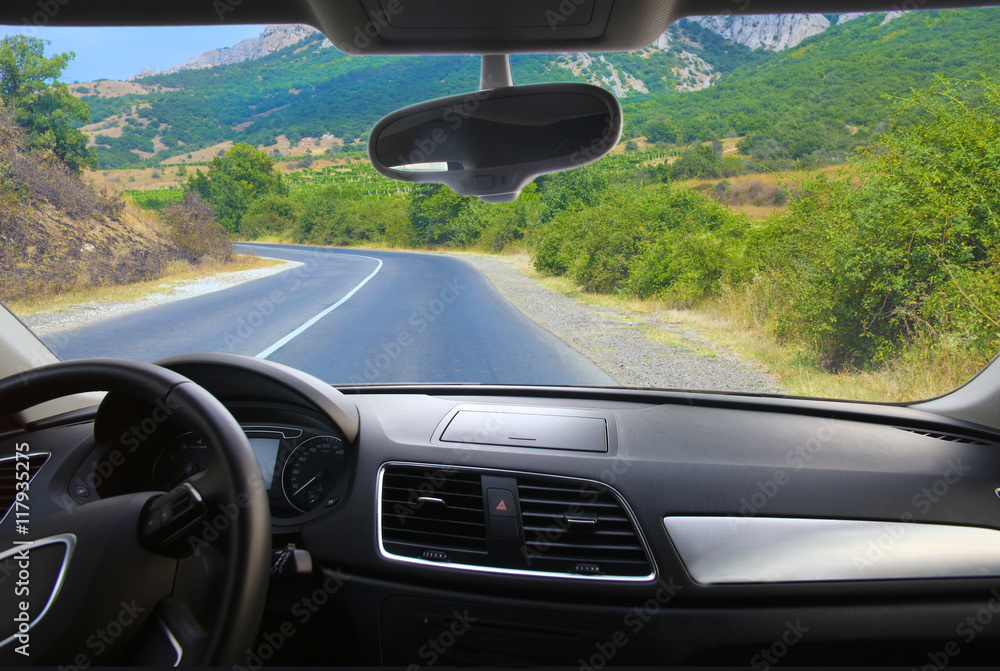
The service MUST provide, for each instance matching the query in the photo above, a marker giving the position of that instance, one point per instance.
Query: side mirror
(492, 143)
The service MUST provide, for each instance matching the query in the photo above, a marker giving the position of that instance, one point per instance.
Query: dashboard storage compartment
(424, 632)
(552, 429)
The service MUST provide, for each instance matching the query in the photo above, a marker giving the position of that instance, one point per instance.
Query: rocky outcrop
(598, 71)
(773, 31)
(888, 17)
(271, 39)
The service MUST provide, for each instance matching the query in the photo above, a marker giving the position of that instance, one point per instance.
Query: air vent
(578, 527)
(950, 437)
(433, 513)
(9, 480)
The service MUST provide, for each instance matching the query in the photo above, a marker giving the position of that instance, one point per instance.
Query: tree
(702, 162)
(42, 105)
(234, 181)
(432, 208)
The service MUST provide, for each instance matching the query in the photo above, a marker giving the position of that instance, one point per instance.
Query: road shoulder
(636, 349)
(161, 292)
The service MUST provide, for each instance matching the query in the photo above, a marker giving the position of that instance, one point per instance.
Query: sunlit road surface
(351, 317)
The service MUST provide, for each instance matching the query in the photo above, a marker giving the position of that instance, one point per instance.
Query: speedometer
(312, 470)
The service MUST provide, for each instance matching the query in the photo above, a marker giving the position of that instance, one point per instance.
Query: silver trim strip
(70, 541)
(726, 550)
(508, 571)
(175, 644)
(47, 455)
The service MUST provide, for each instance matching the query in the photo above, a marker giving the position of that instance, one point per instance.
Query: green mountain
(310, 89)
(814, 100)
(833, 90)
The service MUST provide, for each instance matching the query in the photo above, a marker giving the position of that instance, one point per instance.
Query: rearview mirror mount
(492, 143)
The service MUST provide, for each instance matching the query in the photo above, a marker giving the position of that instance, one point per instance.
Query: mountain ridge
(773, 32)
(271, 39)
(306, 91)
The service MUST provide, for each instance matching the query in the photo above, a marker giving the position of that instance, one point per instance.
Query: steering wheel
(148, 578)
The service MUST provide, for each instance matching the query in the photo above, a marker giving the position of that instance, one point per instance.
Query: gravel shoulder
(636, 349)
(84, 313)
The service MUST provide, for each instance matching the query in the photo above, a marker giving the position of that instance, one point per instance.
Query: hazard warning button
(501, 502)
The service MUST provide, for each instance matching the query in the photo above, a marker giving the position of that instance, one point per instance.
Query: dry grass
(924, 371)
(176, 271)
(199, 155)
(768, 179)
(167, 174)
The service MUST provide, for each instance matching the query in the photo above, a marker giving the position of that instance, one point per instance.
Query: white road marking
(288, 338)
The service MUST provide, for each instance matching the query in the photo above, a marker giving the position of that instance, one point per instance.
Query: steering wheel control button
(167, 520)
(501, 503)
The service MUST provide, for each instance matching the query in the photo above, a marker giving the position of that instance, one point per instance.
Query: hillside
(833, 91)
(311, 90)
(795, 86)
(60, 232)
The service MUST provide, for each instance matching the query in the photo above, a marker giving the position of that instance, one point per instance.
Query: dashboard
(546, 522)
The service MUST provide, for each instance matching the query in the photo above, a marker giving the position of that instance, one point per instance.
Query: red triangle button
(502, 506)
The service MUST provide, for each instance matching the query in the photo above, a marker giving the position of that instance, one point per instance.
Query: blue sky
(118, 53)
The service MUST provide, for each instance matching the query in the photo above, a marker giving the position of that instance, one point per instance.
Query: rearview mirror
(493, 143)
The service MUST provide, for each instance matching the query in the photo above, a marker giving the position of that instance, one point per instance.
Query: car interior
(214, 509)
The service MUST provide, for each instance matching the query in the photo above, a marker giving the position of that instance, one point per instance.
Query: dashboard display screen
(266, 450)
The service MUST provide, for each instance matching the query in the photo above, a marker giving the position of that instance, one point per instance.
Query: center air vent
(516, 523)
(9, 478)
(578, 527)
(433, 512)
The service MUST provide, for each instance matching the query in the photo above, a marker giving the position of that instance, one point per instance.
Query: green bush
(661, 241)
(908, 243)
(269, 215)
(329, 218)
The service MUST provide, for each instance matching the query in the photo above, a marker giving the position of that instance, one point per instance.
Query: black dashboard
(543, 523)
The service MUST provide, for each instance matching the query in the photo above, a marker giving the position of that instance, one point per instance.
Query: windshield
(799, 204)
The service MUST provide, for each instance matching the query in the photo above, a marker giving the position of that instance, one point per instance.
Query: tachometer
(312, 470)
(181, 459)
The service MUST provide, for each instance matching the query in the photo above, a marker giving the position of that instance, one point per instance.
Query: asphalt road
(351, 316)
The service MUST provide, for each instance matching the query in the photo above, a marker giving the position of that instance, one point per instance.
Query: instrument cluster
(301, 467)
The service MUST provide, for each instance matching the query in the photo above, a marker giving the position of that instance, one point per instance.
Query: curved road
(351, 316)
